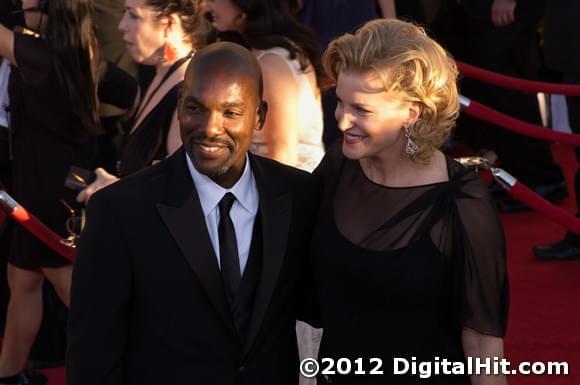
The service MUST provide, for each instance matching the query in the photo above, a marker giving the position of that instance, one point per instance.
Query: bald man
(187, 272)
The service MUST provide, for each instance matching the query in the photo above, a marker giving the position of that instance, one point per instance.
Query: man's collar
(210, 193)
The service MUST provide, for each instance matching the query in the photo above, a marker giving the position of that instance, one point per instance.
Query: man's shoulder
(143, 185)
(277, 172)
(304, 187)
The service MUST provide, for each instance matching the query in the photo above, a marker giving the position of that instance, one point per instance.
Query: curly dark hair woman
(163, 34)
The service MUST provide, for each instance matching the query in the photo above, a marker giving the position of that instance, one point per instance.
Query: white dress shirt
(243, 211)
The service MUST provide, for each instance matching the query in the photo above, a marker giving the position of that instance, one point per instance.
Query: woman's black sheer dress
(400, 271)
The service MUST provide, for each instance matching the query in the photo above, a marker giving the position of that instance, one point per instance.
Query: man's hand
(103, 180)
(503, 12)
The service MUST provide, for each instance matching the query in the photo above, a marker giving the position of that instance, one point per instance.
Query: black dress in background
(148, 141)
(48, 139)
(400, 271)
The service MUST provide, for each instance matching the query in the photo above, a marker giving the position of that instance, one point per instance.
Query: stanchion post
(7, 201)
(504, 178)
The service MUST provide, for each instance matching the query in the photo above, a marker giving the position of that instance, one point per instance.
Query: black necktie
(229, 258)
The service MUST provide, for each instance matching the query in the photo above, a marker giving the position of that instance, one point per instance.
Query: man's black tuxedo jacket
(147, 300)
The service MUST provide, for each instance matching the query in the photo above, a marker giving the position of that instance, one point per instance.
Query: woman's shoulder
(279, 59)
(467, 181)
(26, 40)
(278, 51)
(33, 58)
(279, 74)
(331, 162)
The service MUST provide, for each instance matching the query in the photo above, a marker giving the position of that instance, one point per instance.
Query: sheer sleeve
(480, 260)
(32, 58)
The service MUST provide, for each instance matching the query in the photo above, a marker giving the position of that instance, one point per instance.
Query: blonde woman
(408, 251)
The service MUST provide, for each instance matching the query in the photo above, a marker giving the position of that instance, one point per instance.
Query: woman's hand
(103, 179)
(503, 12)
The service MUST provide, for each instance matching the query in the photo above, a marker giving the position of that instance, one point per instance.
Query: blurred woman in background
(287, 53)
(53, 105)
(163, 34)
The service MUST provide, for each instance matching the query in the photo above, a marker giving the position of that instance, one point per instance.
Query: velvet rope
(42, 232)
(492, 116)
(518, 84)
(539, 204)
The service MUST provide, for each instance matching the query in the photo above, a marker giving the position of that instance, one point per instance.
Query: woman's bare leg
(60, 278)
(23, 318)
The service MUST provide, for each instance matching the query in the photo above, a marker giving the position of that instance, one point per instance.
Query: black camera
(79, 178)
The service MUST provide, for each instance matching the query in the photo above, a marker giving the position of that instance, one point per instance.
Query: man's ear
(179, 105)
(262, 112)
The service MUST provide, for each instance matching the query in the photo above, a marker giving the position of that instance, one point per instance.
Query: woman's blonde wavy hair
(409, 62)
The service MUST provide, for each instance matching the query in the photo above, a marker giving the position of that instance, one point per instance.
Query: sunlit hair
(188, 11)
(271, 23)
(409, 62)
(72, 42)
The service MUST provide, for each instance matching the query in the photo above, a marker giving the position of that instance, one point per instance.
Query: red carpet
(544, 322)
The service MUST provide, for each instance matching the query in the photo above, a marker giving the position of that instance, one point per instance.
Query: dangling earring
(411, 147)
(169, 53)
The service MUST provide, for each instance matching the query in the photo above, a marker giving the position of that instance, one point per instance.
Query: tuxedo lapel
(275, 209)
(184, 218)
